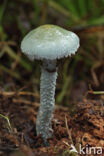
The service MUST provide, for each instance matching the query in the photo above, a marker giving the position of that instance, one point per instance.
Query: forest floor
(84, 126)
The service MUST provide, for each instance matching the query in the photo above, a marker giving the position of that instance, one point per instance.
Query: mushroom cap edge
(49, 42)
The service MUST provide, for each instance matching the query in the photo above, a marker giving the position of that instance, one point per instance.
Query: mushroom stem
(47, 100)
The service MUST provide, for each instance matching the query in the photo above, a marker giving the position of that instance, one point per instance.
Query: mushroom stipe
(48, 43)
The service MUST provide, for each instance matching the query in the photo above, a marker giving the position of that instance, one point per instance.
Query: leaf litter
(85, 127)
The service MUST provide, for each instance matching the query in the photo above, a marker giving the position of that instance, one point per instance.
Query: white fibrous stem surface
(47, 100)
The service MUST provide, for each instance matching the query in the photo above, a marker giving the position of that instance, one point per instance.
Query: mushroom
(48, 43)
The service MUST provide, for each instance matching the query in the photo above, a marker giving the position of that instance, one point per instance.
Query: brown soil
(84, 125)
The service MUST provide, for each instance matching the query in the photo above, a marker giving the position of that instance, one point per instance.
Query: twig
(11, 43)
(68, 131)
(25, 102)
(7, 119)
(11, 93)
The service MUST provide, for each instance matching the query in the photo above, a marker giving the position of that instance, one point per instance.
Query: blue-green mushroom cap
(49, 42)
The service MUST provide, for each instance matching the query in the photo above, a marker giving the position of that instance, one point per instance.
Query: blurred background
(76, 75)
